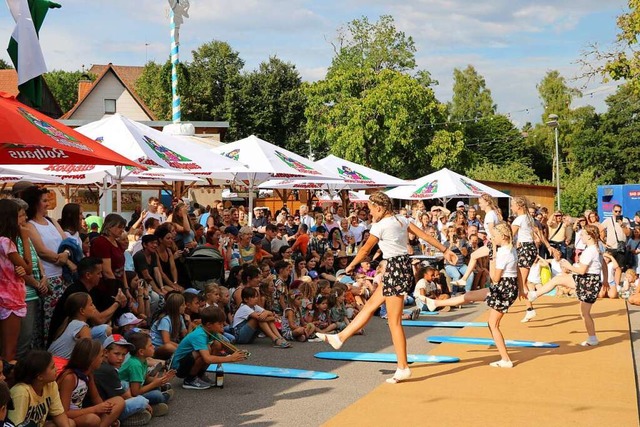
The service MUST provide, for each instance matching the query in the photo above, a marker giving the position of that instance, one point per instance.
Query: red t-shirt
(101, 247)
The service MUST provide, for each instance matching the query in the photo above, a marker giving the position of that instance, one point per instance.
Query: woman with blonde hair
(525, 232)
(585, 277)
(500, 295)
(390, 232)
(492, 216)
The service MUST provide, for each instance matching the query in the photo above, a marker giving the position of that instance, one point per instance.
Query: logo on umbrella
(292, 163)
(347, 173)
(474, 189)
(426, 190)
(54, 133)
(173, 159)
(233, 154)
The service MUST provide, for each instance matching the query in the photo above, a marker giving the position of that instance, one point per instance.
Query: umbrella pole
(119, 189)
(103, 200)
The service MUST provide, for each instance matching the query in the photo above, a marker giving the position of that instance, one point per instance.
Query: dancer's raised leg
(466, 298)
(562, 279)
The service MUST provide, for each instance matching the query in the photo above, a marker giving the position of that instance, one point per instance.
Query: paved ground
(258, 401)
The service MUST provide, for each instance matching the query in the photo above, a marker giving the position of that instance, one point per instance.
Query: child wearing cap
(202, 347)
(137, 410)
(128, 322)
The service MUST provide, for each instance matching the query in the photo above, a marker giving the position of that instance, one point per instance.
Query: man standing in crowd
(305, 218)
(614, 231)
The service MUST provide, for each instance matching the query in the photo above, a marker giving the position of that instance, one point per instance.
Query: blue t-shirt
(196, 340)
(164, 324)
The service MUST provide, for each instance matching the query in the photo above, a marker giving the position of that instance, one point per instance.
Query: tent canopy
(445, 185)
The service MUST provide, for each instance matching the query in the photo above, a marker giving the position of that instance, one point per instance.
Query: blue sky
(512, 43)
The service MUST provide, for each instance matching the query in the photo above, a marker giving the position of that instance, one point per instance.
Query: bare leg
(10, 331)
(118, 406)
(471, 296)
(364, 315)
(394, 311)
(478, 253)
(563, 279)
(585, 312)
(494, 326)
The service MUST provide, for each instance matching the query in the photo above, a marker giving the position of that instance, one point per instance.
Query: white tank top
(51, 239)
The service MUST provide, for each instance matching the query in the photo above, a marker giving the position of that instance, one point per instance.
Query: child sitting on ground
(320, 317)
(211, 294)
(293, 325)
(135, 373)
(76, 381)
(137, 410)
(193, 303)
(169, 328)
(250, 319)
(202, 348)
(308, 291)
(35, 396)
(426, 288)
(5, 398)
(337, 308)
(629, 284)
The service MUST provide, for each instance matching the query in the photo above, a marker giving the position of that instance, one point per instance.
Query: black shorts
(502, 295)
(186, 364)
(398, 278)
(527, 254)
(587, 287)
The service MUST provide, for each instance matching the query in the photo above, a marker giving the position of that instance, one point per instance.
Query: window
(109, 106)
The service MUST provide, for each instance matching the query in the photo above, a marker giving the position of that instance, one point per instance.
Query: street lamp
(553, 122)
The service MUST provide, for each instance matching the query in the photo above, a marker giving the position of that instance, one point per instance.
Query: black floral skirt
(503, 294)
(398, 276)
(587, 287)
(527, 254)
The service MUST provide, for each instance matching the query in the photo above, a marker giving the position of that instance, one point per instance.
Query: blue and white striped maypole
(179, 11)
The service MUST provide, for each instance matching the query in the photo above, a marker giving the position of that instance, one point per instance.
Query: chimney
(83, 88)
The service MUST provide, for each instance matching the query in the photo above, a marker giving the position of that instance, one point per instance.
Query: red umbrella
(29, 137)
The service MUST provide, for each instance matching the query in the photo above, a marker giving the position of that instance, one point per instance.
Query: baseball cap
(192, 291)
(313, 274)
(128, 319)
(342, 254)
(118, 340)
(347, 280)
(460, 204)
(341, 272)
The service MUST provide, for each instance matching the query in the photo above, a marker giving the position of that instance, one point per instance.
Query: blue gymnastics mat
(444, 324)
(384, 357)
(270, 371)
(489, 341)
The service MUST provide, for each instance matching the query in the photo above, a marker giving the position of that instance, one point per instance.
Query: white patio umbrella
(444, 185)
(266, 161)
(353, 177)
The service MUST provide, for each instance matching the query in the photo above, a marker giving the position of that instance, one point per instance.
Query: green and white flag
(24, 46)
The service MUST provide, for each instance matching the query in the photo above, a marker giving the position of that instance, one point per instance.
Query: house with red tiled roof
(113, 91)
(9, 84)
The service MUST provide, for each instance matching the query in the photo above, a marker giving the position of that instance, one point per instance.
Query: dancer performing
(583, 276)
(499, 296)
(491, 218)
(390, 233)
(524, 229)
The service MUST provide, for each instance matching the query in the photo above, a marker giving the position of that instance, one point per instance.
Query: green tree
(579, 193)
(214, 74)
(270, 104)
(556, 95)
(64, 86)
(513, 171)
(471, 98)
(4, 65)
(370, 110)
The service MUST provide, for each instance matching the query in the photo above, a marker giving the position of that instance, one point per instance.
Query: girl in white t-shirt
(584, 277)
(390, 233)
(500, 295)
(492, 217)
(524, 229)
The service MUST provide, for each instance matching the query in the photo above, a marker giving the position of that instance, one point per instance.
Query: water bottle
(219, 376)
(235, 256)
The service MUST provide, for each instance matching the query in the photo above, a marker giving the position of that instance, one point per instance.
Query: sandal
(281, 343)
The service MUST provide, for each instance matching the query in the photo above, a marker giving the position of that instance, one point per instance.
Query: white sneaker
(590, 342)
(415, 313)
(460, 283)
(528, 316)
(502, 364)
(431, 304)
(532, 295)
